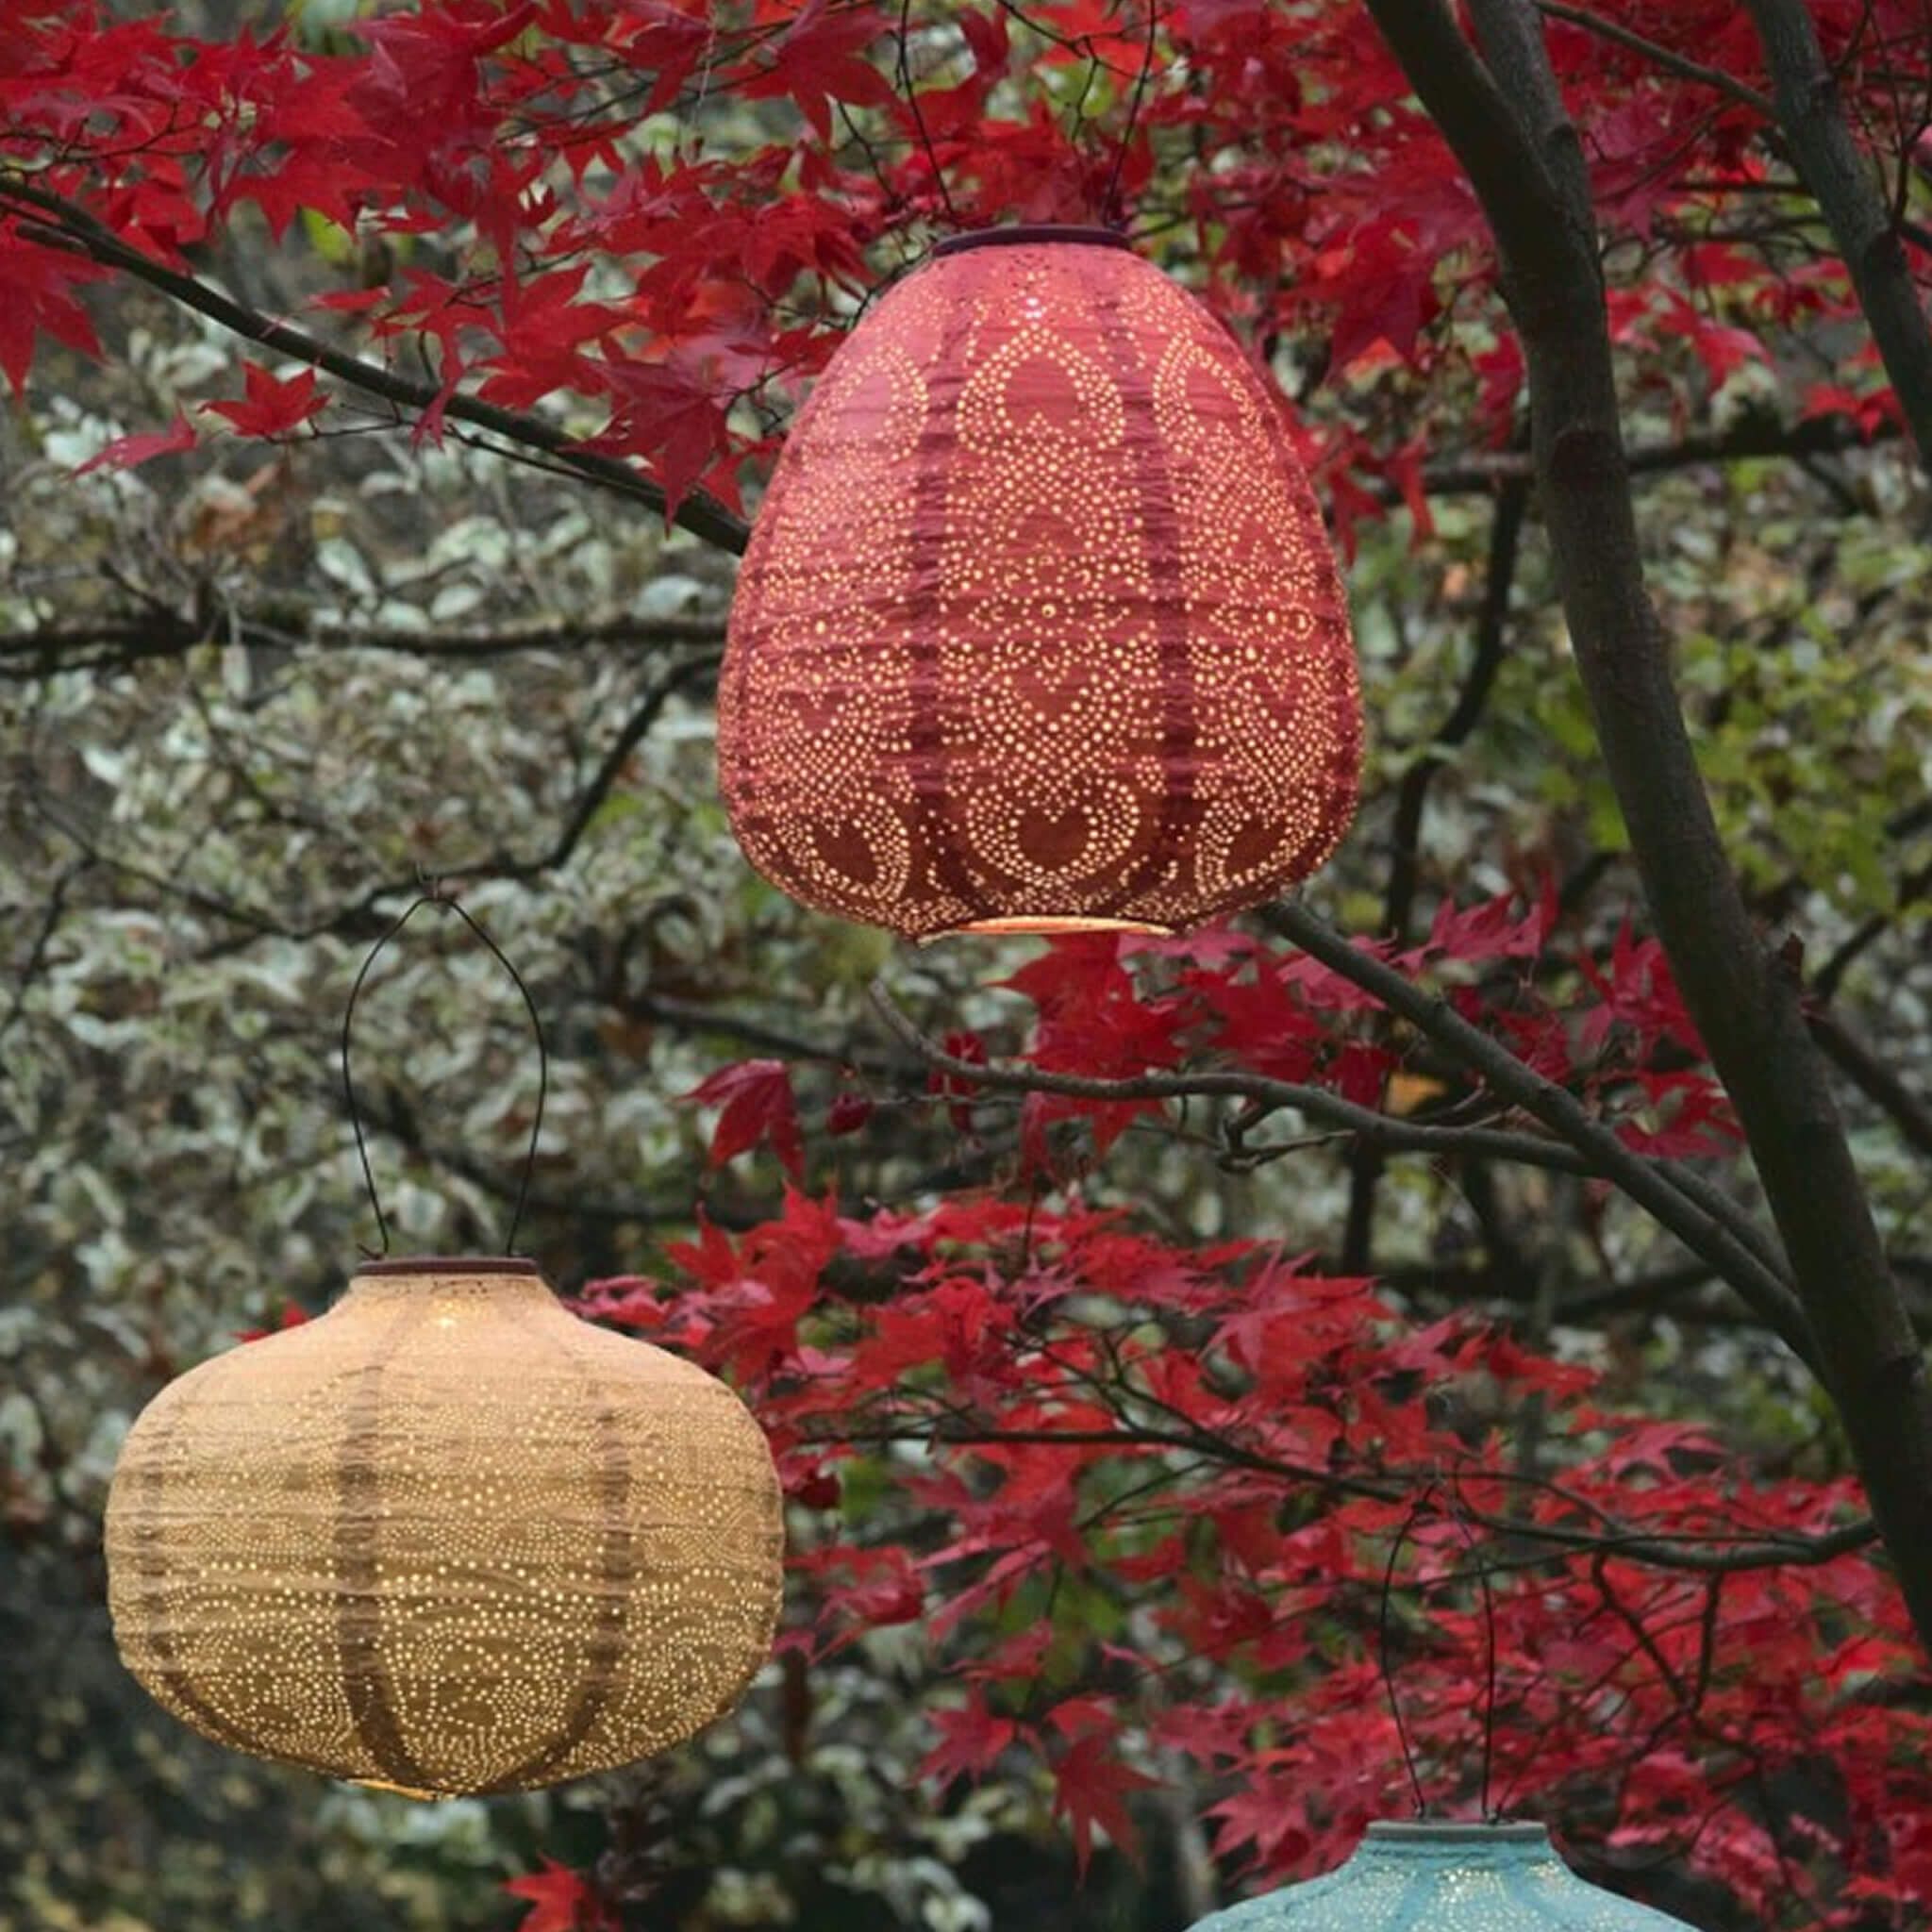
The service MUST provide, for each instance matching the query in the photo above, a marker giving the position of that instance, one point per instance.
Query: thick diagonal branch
(1696, 1213)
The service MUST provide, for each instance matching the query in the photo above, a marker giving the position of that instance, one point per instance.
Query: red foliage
(272, 407)
(1219, 1447)
(291, 1317)
(1156, 1488)
(128, 451)
(674, 289)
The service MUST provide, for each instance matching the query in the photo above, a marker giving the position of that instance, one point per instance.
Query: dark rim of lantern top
(1445, 1831)
(450, 1264)
(1037, 232)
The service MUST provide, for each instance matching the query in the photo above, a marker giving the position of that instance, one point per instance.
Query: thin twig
(1689, 1211)
(1679, 64)
(702, 515)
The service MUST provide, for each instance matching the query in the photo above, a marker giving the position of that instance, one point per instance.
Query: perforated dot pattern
(446, 1538)
(1445, 1879)
(1039, 627)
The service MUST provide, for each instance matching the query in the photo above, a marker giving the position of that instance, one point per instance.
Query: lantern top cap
(1445, 1835)
(1036, 232)
(452, 1264)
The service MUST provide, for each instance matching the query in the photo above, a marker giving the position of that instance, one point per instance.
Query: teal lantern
(1445, 1879)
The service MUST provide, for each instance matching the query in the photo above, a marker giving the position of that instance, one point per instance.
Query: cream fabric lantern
(446, 1538)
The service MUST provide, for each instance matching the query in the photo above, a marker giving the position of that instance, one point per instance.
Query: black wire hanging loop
(433, 895)
(1416, 1512)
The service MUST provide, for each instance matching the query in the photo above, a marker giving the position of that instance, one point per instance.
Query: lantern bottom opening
(1039, 925)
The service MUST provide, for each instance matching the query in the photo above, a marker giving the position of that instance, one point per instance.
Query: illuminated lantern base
(1426, 1877)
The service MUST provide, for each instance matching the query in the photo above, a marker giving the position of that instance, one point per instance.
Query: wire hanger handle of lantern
(1417, 1509)
(434, 894)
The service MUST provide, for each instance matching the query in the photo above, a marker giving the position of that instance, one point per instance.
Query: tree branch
(74, 228)
(1853, 203)
(43, 939)
(112, 643)
(1263, 1096)
(1744, 1002)
(1404, 837)
(1695, 1213)
(1481, 126)
(1662, 1549)
(1875, 1080)
(1685, 69)
(1506, 528)
(1751, 437)
(1825, 982)
(359, 917)
(506, 865)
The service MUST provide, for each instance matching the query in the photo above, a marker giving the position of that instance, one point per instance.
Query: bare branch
(1825, 982)
(1753, 436)
(1853, 204)
(114, 643)
(359, 917)
(1506, 528)
(43, 939)
(1875, 1080)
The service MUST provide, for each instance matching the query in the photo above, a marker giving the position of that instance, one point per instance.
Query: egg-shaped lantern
(1039, 629)
(1430, 1877)
(446, 1538)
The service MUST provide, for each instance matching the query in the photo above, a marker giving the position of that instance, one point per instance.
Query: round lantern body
(1445, 1879)
(447, 1538)
(1039, 629)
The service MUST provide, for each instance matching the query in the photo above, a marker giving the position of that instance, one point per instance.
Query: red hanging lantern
(1039, 629)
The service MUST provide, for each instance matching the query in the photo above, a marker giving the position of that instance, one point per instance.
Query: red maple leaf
(1091, 1787)
(560, 1901)
(970, 1743)
(39, 284)
(129, 452)
(817, 62)
(273, 406)
(757, 1105)
(1265, 1817)
(670, 412)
